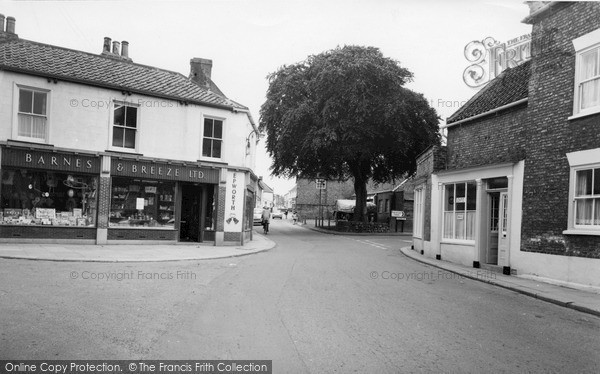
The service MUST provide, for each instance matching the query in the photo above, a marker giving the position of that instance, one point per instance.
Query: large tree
(343, 114)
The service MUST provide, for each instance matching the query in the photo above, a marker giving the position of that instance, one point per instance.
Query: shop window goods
(32, 197)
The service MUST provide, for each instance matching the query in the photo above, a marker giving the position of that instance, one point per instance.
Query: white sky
(249, 39)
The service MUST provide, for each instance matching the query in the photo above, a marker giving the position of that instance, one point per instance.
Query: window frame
(112, 125)
(583, 45)
(454, 211)
(418, 223)
(578, 161)
(203, 137)
(17, 113)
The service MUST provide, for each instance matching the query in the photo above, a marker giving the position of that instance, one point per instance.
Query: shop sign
(399, 214)
(161, 170)
(234, 201)
(45, 160)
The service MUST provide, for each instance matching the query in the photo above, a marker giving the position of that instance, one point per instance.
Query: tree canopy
(345, 113)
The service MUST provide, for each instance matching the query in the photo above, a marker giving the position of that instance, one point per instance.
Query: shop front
(48, 195)
(152, 200)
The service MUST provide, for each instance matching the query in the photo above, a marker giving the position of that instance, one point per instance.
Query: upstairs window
(125, 126)
(32, 115)
(213, 138)
(586, 98)
(589, 79)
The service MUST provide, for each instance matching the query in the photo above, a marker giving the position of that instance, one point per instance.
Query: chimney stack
(200, 71)
(106, 46)
(2, 18)
(115, 49)
(10, 25)
(125, 49)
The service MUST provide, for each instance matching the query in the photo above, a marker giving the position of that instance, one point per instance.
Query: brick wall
(307, 198)
(137, 234)
(494, 139)
(552, 135)
(37, 232)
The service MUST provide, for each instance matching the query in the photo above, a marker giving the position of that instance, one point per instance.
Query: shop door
(503, 224)
(189, 228)
(494, 214)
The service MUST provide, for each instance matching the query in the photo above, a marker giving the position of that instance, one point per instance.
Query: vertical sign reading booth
(234, 201)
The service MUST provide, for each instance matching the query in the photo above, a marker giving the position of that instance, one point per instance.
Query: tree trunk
(360, 209)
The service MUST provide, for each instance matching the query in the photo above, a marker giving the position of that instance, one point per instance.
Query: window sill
(581, 232)
(584, 114)
(30, 140)
(124, 150)
(457, 242)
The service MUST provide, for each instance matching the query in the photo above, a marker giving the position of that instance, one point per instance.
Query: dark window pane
(471, 196)
(584, 183)
(39, 103)
(119, 119)
(206, 147)
(208, 127)
(118, 136)
(596, 181)
(218, 130)
(460, 196)
(129, 138)
(25, 101)
(449, 198)
(216, 149)
(131, 117)
(501, 182)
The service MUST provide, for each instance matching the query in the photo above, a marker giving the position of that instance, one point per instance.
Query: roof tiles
(510, 86)
(70, 65)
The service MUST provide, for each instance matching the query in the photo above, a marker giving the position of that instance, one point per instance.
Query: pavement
(583, 300)
(132, 252)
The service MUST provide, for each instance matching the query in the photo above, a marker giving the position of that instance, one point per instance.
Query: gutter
(514, 103)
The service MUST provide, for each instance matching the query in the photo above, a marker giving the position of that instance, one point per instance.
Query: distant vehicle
(277, 214)
(257, 216)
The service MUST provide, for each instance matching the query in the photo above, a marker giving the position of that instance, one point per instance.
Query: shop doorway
(191, 209)
(498, 226)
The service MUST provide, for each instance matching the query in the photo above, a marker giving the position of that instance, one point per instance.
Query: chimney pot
(10, 25)
(116, 46)
(125, 49)
(2, 18)
(106, 46)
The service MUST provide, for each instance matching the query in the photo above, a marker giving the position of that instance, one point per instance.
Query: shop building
(516, 189)
(99, 149)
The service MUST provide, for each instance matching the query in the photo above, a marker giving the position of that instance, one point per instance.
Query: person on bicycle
(266, 215)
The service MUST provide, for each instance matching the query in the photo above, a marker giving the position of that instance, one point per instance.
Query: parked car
(257, 216)
(277, 214)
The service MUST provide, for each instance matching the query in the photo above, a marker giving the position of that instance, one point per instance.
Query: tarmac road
(316, 303)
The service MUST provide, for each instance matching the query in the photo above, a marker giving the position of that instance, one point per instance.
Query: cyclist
(266, 215)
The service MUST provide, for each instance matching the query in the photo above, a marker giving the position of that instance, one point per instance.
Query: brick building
(96, 148)
(518, 186)
(385, 197)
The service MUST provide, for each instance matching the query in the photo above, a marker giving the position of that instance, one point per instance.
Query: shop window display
(31, 197)
(142, 203)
